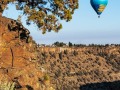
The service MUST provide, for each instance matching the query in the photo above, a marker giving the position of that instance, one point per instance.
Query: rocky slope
(18, 62)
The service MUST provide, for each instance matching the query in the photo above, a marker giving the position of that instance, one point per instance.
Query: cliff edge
(18, 60)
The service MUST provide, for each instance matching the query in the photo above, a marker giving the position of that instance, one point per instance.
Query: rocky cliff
(18, 61)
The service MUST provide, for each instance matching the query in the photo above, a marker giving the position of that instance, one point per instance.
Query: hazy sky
(85, 27)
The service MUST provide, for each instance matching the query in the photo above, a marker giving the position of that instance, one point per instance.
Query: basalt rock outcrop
(18, 61)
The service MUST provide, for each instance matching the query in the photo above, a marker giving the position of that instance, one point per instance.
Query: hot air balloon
(99, 5)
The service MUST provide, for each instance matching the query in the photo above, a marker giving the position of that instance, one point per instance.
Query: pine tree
(44, 13)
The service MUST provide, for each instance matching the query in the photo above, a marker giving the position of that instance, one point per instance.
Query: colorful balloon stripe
(101, 8)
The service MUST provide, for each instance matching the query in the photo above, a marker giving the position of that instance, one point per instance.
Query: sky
(84, 28)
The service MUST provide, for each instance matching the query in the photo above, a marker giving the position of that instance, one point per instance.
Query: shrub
(7, 86)
(46, 77)
(60, 55)
(75, 53)
(66, 52)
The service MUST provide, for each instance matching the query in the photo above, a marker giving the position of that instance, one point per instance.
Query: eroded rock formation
(18, 60)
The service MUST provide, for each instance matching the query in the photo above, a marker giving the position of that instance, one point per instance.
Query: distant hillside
(71, 68)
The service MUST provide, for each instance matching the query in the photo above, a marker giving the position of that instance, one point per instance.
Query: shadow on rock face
(102, 86)
(29, 87)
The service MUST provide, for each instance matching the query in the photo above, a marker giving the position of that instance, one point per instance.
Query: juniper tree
(44, 13)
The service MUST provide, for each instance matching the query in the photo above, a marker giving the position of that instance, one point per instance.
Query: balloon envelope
(99, 5)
